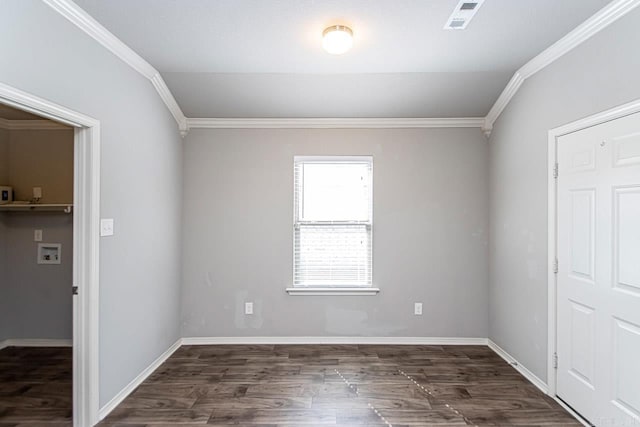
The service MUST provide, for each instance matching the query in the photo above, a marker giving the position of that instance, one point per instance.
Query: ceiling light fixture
(337, 39)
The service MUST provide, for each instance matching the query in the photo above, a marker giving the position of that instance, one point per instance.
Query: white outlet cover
(37, 192)
(37, 235)
(106, 227)
(417, 309)
(248, 308)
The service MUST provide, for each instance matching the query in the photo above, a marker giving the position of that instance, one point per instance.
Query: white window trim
(315, 290)
(368, 290)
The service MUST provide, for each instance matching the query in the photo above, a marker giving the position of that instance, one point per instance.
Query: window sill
(333, 291)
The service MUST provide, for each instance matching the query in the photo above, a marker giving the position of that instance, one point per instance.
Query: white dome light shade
(337, 39)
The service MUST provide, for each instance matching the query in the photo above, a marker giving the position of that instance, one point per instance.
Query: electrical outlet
(248, 308)
(106, 227)
(37, 235)
(37, 192)
(417, 309)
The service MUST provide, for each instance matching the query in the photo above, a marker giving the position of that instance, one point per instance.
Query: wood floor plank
(273, 416)
(248, 402)
(165, 415)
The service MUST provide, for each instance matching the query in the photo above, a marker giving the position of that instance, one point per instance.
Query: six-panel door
(598, 288)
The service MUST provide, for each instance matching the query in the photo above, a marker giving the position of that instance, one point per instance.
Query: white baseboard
(519, 367)
(35, 342)
(118, 398)
(334, 340)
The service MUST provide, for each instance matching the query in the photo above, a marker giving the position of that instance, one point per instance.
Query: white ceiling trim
(336, 123)
(603, 18)
(31, 125)
(81, 19)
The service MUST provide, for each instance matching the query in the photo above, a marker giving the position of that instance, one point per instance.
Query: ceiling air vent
(468, 6)
(462, 14)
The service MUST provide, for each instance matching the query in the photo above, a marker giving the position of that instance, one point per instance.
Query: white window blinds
(333, 221)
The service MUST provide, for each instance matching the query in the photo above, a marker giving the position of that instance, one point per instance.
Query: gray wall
(598, 75)
(42, 158)
(37, 298)
(4, 332)
(430, 234)
(3, 289)
(141, 179)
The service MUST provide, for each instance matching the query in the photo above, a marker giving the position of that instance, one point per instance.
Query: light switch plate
(417, 309)
(37, 235)
(106, 227)
(248, 308)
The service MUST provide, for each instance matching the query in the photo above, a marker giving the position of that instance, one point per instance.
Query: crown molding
(170, 102)
(31, 125)
(596, 23)
(335, 123)
(85, 22)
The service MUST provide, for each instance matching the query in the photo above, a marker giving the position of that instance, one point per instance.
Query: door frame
(86, 245)
(587, 122)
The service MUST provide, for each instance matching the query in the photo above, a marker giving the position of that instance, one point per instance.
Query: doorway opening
(50, 207)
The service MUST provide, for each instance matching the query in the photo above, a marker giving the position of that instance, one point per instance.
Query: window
(333, 223)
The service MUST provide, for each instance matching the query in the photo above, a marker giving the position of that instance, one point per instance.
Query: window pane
(335, 192)
(332, 255)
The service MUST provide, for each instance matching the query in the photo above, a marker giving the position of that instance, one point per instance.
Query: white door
(598, 293)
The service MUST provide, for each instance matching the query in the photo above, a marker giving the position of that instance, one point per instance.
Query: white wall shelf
(37, 207)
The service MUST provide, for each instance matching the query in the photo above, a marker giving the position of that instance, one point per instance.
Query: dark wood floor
(35, 387)
(291, 385)
(346, 385)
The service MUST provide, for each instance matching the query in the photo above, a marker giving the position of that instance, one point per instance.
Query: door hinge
(74, 290)
(555, 360)
(555, 266)
(555, 170)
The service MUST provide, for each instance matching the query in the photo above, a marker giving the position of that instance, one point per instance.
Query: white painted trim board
(35, 342)
(129, 388)
(335, 291)
(334, 340)
(335, 123)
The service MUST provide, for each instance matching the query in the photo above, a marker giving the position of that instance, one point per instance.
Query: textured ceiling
(263, 58)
